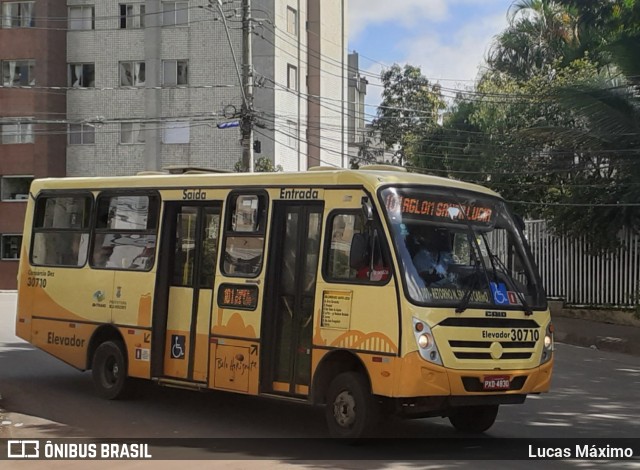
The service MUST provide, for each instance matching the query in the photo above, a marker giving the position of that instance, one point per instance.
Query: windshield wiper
(464, 303)
(496, 259)
(477, 253)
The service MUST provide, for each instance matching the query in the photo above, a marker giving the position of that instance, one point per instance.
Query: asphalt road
(594, 395)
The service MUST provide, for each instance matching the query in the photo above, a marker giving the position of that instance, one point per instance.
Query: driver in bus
(432, 256)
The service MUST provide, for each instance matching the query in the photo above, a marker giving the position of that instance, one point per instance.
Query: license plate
(496, 382)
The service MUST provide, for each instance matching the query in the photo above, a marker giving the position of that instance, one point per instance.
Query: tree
(554, 122)
(606, 150)
(540, 34)
(559, 106)
(457, 148)
(369, 150)
(409, 107)
(261, 165)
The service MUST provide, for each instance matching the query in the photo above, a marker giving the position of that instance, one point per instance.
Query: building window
(176, 132)
(81, 17)
(292, 134)
(18, 15)
(10, 248)
(82, 134)
(15, 188)
(132, 73)
(132, 133)
(18, 133)
(82, 75)
(132, 16)
(18, 72)
(292, 77)
(175, 72)
(292, 21)
(175, 13)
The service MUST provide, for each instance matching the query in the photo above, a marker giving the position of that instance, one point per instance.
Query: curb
(597, 335)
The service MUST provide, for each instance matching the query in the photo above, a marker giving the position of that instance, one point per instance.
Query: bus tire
(473, 419)
(351, 410)
(109, 370)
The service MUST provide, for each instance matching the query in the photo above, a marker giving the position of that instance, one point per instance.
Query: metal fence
(570, 272)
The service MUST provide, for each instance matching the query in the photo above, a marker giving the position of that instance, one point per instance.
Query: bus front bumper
(426, 389)
(419, 378)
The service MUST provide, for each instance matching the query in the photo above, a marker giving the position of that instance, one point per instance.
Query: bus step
(173, 383)
(296, 399)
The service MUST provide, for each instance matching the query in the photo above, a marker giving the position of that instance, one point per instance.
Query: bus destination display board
(438, 208)
(238, 296)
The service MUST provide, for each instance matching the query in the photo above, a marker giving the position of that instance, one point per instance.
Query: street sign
(228, 125)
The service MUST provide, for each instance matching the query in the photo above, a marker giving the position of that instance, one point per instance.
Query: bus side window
(244, 235)
(348, 231)
(125, 234)
(61, 230)
(210, 248)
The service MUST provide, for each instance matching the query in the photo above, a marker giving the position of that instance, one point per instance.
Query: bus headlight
(424, 341)
(547, 347)
(426, 344)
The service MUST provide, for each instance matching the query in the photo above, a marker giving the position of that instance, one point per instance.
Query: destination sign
(238, 296)
(438, 208)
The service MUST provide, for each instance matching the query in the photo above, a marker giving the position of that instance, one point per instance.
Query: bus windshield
(461, 249)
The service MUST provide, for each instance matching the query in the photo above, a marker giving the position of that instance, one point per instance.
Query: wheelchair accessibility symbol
(177, 346)
(500, 295)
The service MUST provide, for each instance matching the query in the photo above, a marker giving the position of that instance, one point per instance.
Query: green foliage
(555, 120)
(260, 165)
(540, 33)
(409, 107)
(553, 124)
(368, 151)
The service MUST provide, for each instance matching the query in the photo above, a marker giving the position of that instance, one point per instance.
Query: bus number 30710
(521, 334)
(36, 282)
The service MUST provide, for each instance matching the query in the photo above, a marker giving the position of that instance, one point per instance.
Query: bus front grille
(478, 348)
(483, 355)
(475, 322)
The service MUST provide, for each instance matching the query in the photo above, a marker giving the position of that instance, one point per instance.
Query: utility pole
(246, 126)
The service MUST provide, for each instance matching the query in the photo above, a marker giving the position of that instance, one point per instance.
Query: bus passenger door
(190, 256)
(292, 275)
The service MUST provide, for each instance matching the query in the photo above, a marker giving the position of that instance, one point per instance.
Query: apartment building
(32, 110)
(115, 87)
(356, 111)
(151, 81)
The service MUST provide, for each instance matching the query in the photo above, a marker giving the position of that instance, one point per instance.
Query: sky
(447, 39)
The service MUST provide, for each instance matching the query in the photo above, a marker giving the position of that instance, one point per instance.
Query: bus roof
(371, 178)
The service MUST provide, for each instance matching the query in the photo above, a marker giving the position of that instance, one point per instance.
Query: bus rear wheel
(473, 419)
(351, 410)
(109, 370)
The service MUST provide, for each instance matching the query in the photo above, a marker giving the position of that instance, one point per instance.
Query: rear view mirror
(367, 209)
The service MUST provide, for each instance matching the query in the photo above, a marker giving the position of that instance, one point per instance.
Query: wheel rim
(344, 409)
(112, 371)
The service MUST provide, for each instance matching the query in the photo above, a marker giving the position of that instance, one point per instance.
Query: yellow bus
(373, 291)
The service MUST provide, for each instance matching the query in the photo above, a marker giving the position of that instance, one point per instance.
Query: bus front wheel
(109, 370)
(473, 419)
(351, 410)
